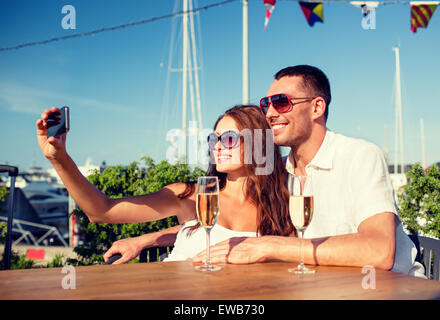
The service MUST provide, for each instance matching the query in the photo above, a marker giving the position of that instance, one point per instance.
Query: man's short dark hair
(314, 80)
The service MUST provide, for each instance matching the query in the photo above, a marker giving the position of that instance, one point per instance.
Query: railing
(155, 254)
(28, 236)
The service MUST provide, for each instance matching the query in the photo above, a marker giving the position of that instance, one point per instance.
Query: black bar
(143, 255)
(12, 171)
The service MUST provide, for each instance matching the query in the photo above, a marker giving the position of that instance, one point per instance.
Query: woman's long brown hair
(268, 192)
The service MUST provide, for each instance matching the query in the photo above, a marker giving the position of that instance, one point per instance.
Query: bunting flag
(269, 5)
(313, 11)
(421, 12)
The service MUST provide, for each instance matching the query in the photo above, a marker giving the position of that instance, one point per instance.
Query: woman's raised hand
(54, 147)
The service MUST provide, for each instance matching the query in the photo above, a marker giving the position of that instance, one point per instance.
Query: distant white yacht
(47, 195)
(86, 169)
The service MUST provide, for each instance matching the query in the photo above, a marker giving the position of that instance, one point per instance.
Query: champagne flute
(208, 210)
(301, 212)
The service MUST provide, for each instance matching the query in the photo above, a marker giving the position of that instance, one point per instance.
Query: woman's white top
(187, 246)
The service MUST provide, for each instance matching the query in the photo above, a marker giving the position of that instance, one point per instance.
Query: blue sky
(115, 82)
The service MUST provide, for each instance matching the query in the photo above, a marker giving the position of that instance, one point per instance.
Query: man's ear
(319, 106)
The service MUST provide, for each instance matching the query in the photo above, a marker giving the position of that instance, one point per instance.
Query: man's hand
(129, 248)
(241, 250)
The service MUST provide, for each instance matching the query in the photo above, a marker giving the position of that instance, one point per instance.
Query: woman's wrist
(60, 160)
(147, 240)
(162, 238)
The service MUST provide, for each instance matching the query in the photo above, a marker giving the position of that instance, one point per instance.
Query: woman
(250, 204)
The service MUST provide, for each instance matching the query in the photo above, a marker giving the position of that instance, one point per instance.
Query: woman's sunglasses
(281, 102)
(228, 139)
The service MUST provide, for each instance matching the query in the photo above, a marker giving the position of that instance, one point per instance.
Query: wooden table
(180, 281)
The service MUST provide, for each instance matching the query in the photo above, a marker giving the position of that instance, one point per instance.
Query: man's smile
(277, 127)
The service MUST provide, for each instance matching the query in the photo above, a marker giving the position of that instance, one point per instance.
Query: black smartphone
(58, 122)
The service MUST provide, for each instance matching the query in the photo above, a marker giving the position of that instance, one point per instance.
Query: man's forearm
(346, 250)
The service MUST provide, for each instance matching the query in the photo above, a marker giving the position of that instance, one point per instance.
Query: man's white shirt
(350, 184)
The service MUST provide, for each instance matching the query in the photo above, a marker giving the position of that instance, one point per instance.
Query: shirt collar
(323, 159)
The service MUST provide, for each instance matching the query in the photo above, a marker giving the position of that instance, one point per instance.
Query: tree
(120, 181)
(419, 201)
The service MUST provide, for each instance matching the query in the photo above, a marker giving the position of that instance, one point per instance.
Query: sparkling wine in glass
(208, 210)
(301, 212)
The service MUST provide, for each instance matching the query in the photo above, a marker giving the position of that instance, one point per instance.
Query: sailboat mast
(245, 54)
(385, 149)
(399, 110)
(195, 68)
(422, 134)
(396, 130)
(184, 74)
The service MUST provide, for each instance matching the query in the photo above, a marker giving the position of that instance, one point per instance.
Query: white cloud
(21, 98)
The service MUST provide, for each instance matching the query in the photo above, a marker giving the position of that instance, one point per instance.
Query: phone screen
(58, 122)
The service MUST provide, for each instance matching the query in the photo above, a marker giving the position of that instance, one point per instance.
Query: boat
(41, 203)
(50, 203)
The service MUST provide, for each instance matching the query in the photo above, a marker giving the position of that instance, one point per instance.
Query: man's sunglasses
(228, 139)
(281, 102)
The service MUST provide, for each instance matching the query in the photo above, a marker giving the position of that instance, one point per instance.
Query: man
(355, 220)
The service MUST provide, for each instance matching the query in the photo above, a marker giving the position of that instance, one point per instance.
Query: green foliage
(117, 182)
(3, 193)
(3, 227)
(419, 201)
(57, 262)
(17, 261)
